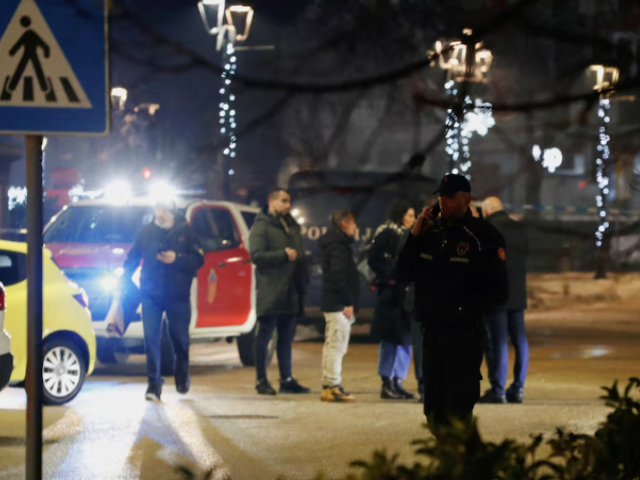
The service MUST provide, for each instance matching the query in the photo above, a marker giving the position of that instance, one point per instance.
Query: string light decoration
(477, 118)
(604, 153)
(228, 117)
(606, 79)
(227, 35)
(474, 117)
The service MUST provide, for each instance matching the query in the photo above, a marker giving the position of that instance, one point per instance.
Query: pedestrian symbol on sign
(29, 49)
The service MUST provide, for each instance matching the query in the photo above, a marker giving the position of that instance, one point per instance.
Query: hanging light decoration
(474, 117)
(604, 153)
(606, 79)
(227, 112)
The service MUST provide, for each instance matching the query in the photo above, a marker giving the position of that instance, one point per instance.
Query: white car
(6, 359)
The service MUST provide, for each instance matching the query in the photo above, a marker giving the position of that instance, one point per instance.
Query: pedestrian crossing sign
(53, 67)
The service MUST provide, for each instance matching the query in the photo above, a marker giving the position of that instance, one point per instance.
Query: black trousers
(452, 359)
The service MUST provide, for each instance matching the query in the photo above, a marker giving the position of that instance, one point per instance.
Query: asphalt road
(110, 432)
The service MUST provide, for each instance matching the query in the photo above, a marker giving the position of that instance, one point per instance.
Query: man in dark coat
(340, 301)
(458, 265)
(275, 245)
(171, 258)
(508, 320)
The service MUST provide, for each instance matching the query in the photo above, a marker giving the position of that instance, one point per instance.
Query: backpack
(362, 262)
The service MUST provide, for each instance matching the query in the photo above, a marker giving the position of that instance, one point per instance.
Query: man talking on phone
(458, 265)
(171, 258)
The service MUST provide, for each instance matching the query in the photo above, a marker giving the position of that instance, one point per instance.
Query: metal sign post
(50, 83)
(34, 308)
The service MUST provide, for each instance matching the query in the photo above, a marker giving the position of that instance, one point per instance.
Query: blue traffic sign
(53, 67)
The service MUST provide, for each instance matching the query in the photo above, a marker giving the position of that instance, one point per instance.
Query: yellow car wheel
(63, 371)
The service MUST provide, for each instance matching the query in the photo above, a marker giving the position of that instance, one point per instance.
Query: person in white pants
(340, 298)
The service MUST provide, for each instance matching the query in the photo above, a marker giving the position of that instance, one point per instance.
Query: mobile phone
(435, 211)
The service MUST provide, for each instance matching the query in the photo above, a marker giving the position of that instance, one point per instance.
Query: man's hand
(424, 220)
(167, 257)
(348, 312)
(292, 254)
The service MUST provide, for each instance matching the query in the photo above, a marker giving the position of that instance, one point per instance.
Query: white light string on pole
(228, 118)
(473, 117)
(604, 154)
(606, 78)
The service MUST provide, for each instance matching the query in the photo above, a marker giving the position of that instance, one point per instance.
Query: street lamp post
(463, 68)
(227, 35)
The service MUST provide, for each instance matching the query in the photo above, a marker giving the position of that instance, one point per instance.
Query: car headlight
(110, 283)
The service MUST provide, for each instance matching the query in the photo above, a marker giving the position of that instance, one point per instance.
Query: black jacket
(515, 235)
(459, 273)
(340, 278)
(281, 283)
(392, 318)
(158, 279)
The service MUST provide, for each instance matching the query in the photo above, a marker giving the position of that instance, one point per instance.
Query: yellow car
(69, 344)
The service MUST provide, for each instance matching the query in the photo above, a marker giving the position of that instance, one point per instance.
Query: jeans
(394, 360)
(178, 317)
(286, 326)
(336, 344)
(416, 340)
(500, 325)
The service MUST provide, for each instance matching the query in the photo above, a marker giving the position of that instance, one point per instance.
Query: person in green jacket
(275, 245)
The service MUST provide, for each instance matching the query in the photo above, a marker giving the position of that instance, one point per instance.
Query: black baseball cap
(452, 184)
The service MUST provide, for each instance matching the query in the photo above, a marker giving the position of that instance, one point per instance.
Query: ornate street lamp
(461, 67)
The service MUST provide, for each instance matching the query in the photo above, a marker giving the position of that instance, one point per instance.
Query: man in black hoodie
(340, 298)
(171, 258)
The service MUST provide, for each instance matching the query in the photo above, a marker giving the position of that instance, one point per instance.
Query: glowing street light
(247, 12)
(119, 97)
(452, 57)
(606, 77)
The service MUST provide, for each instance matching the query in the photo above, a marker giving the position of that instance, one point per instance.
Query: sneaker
(153, 393)
(183, 383)
(292, 386)
(263, 387)
(399, 388)
(336, 394)
(490, 396)
(515, 395)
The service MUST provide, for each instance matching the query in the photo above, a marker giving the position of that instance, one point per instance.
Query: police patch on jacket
(463, 248)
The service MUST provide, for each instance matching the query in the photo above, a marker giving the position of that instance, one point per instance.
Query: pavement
(110, 432)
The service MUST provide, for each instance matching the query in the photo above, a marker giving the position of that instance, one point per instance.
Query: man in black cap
(458, 265)
(171, 258)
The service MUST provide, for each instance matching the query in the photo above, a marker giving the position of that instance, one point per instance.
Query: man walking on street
(340, 298)
(276, 250)
(508, 320)
(171, 258)
(458, 265)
